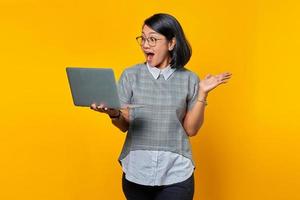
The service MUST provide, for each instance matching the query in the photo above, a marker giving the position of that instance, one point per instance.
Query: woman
(163, 105)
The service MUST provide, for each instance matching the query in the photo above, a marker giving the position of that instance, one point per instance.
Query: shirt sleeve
(193, 92)
(124, 89)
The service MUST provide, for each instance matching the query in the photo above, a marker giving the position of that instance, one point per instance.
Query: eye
(152, 39)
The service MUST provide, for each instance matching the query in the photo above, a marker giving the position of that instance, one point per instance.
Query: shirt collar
(166, 72)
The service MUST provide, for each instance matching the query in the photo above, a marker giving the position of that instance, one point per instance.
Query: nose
(145, 45)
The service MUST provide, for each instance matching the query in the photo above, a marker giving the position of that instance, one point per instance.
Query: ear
(172, 44)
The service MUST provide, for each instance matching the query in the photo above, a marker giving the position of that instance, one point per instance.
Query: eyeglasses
(151, 40)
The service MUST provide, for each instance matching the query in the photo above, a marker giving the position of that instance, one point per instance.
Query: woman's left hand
(212, 81)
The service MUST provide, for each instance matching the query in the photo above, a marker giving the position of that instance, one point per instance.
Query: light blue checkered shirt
(151, 167)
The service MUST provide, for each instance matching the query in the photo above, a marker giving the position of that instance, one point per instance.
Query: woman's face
(157, 55)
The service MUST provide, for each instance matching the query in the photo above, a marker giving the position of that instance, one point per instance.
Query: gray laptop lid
(93, 85)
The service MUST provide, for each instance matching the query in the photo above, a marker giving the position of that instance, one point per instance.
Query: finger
(104, 109)
(100, 108)
(225, 78)
(93, 106)
(218, 77)
(223, 82)
(227, 75)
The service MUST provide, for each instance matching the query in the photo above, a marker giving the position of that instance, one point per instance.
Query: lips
(149, 55)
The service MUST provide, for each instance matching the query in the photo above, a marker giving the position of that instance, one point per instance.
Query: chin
(152, 64)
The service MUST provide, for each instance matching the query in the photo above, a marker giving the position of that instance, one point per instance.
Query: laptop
(93, 85)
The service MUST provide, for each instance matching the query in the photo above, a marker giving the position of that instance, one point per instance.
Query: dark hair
(168, 26)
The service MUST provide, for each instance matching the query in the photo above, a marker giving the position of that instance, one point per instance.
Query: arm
(119, 118)
(122, 120)
(194, 117)
(122, 124)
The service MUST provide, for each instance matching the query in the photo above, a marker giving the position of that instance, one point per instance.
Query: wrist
(114, 117)
(202, 95)
(203, 101)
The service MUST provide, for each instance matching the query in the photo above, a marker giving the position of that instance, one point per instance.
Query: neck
(164, 64)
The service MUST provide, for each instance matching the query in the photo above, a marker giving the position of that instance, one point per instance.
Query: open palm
(212, 81)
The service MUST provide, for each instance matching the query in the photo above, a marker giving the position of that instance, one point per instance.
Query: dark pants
(178, 191)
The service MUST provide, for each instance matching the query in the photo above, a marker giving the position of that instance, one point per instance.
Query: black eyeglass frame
(139, 39)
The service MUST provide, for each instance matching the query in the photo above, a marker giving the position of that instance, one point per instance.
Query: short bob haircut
(168, 26)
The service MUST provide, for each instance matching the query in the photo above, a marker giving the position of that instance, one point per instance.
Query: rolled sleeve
(193, 92)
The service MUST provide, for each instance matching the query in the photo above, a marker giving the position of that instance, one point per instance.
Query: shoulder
(134, 69)
(188, 75)
(132, 73)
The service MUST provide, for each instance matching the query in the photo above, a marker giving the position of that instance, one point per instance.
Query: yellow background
(248, 148)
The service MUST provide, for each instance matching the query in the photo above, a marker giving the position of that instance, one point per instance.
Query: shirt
(148, 167)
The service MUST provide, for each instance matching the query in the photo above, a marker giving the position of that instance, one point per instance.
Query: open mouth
(149, 56)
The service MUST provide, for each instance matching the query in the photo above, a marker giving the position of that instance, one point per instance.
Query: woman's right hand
(111, 111)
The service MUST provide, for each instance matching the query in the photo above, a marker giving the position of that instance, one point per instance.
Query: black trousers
(178, 191)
